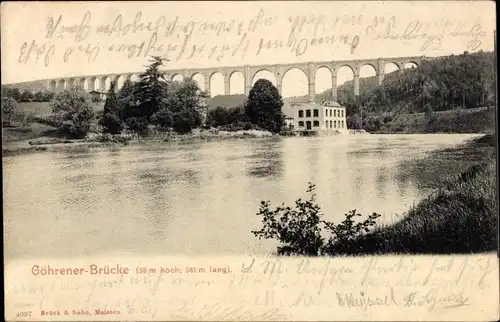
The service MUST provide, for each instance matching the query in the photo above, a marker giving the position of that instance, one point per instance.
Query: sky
(66, 39)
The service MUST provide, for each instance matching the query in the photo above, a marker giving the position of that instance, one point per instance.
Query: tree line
(27, 96)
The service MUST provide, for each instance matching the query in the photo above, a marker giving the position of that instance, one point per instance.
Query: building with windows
(329, 118)
(98, 96)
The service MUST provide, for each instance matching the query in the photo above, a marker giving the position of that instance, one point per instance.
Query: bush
(73, 112)
(9, 106)
(299, 230)
(111, 123)
(138, 125)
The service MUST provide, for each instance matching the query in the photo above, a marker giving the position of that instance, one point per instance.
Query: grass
(43, 108)
(30, 131)
(479, 120)
(459, 217)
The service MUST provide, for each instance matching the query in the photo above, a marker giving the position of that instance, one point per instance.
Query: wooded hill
(444, 83)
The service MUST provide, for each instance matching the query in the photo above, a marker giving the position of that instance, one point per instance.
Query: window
(301, 123)
(316, 123)
(316, 113)
(330, 124)
(330, 112)
(308, 113)
(301, 113)
(335, 124)
(342, 113)
(326, 124)
(342, 124)
(335, 113)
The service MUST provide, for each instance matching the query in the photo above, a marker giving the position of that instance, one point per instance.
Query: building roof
(333, 104)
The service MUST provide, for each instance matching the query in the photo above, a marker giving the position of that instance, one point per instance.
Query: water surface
(199, 198)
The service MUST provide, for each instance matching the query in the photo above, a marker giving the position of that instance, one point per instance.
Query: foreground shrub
(460, 217)
(299, 230)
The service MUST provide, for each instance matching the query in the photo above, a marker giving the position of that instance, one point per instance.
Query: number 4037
(23, 314)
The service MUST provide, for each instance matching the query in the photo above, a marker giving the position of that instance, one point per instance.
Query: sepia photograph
(249, 160)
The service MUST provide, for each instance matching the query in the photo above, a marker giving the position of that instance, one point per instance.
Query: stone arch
(368, 70)
(134, 78)
(254, 78)
(177, 77)
(120, 80)
(323, 66)
(410, 64)
(236, 82)
(71, 82)
(295, 82)
(81, 83)
(61, 85)
(216, 83)
(53, 86)
(323, 79)
(344, 73)
(91, 84)
(391, 67)
(105, 83)
(199, 78)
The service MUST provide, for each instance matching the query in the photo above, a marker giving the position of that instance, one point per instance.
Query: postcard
(249, 160)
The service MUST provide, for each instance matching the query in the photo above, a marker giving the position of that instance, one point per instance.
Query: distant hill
(444, 83)
(33, 86)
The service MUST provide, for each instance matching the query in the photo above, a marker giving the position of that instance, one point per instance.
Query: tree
(26, 96)
(73, 112)
(224, 116)
(47, 96)
(110, 120)
(15, 93)
(9, 106)
(263, 106)
(217, 117)
(182, 104)
(127, 100)
(38, 97)
(151, 89)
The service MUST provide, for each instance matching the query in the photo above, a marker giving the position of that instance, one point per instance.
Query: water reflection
(382, 174)
(265, 160)
(200, 198)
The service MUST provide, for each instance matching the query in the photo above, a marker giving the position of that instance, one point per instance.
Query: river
(199, 198)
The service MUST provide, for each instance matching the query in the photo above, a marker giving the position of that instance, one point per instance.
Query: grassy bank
(37, 137)
(480, 120)
(459, 217)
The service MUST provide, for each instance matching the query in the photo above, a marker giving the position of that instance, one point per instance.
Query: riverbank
(43, 138)
(459, 217)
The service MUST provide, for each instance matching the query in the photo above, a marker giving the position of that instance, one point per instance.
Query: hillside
(478, 120)
(444, 83)
(43, 108)
(32, 86)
